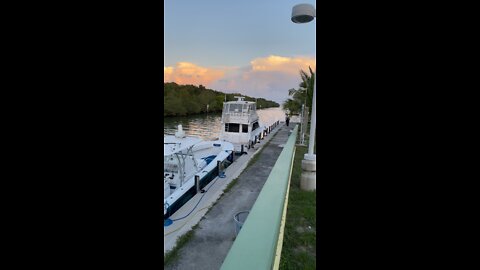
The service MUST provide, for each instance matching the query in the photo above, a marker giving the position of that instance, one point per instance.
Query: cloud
(287, 65)
(269, 77)
(189, 73)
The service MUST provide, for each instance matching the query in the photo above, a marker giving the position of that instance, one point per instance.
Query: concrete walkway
(215, 234)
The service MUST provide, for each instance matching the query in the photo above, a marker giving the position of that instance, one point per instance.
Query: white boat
(184, 158)
(240, 123)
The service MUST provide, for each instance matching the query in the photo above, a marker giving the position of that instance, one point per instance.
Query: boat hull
(192, 191)
(183, 194)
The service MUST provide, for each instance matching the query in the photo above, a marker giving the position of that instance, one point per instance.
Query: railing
(238, 116)
(259, 244)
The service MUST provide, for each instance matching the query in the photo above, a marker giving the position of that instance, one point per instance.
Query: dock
(213, 211)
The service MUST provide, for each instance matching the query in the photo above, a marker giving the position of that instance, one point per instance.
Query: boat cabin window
(245, 108)
(235, 108)
(245, 128)
(255, 126)
(229, 127)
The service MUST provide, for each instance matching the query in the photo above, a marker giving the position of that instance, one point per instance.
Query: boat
(240, 124)
(186, 157)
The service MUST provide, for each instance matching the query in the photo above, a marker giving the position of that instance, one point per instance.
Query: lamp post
(305, 13)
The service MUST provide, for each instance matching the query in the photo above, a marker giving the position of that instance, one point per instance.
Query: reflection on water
(207, 126)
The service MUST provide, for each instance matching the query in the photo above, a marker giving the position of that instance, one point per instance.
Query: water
(207, 126)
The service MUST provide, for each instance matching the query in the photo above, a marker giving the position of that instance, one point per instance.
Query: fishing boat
(190, 164)
(240, 123)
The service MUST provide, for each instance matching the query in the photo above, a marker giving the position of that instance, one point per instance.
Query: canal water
(207, 126)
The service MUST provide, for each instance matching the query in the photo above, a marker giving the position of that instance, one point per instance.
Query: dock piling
(197, 183)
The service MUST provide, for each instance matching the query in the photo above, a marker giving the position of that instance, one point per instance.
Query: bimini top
(172, 144)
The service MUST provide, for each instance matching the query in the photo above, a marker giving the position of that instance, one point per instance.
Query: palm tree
(307, 85)
(302, 95)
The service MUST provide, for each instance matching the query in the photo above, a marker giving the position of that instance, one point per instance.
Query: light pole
(305, 13)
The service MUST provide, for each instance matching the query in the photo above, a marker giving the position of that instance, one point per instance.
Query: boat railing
(261, 237)
(237, 113)
(226, 117)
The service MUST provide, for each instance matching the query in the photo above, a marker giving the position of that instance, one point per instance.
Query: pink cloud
(189, 73)
(268, 77)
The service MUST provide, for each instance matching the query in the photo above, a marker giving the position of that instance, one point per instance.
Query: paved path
(216, 231)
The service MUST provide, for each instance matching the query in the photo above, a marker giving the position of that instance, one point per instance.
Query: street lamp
(305, 13)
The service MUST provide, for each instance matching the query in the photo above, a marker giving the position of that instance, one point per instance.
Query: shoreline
(205, 113)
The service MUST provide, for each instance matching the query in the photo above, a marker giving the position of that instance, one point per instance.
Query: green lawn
(299, 242)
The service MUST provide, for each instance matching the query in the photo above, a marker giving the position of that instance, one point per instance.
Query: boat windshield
(236, 107)
(172, 145)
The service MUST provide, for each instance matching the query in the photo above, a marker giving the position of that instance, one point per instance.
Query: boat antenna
(239, 98)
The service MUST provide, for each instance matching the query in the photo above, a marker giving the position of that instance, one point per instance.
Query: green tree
(302, 95)
(189, 99)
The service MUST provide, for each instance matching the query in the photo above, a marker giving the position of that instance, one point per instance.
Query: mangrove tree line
(181, 100)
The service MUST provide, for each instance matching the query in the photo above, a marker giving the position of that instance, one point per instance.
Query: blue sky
(237, 46)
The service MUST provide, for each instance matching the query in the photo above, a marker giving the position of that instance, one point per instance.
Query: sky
(243, 46)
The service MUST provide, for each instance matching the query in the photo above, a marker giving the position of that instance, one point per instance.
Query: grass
(257, 155)
(229, 186)
(234, 181)
(299, 242)
(225, 191)
(173, 254)
(307, 138)
(250, 163)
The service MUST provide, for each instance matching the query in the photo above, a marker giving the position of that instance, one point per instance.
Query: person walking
(287, 120)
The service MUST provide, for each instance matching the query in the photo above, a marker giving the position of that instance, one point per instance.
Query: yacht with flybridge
(240, 123)
(190, 163)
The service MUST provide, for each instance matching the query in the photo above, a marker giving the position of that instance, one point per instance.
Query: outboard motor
(180, 133)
